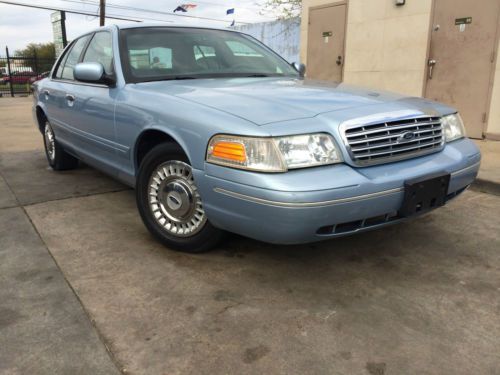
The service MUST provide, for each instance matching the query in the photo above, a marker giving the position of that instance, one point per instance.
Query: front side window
(162, 53)
(72, 58)
(100, 50)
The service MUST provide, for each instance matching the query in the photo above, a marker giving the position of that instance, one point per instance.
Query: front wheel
(170, 204)
(58, 159)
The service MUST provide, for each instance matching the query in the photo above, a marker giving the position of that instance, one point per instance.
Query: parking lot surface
(85, 289)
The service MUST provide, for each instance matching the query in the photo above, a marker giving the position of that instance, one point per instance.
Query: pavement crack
(77, 196)
(228, 307)
(92, 322)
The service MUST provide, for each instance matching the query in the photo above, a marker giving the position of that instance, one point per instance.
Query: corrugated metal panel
(283, 36)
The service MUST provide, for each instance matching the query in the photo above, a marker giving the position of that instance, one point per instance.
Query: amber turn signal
(229, 150)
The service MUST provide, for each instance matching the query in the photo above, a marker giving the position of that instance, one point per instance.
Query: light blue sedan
(217, 133)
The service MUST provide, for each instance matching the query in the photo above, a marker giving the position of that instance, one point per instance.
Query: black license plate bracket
(424, 194)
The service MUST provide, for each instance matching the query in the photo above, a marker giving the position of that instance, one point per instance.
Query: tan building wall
(493, 129)
(386, 48)
(386, 45)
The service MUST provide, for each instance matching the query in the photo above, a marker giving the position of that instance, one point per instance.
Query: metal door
(462, 53)
(325, 42)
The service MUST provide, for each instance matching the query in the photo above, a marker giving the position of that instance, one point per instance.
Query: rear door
(325, 42)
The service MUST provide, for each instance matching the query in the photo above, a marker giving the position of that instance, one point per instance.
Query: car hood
(270, 100)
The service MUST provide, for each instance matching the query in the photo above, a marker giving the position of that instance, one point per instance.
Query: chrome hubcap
(50, 142)
(174, 199)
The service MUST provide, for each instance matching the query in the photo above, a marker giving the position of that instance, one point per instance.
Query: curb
(486, 186)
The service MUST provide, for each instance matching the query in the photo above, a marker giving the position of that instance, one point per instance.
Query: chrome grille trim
(377, 143)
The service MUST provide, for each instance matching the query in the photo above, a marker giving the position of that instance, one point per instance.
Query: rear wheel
(58, 159)
(170, 204)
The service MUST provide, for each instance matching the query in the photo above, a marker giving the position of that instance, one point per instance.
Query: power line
(74, 11)
(227, 6)
(136, 9)
(150, 10)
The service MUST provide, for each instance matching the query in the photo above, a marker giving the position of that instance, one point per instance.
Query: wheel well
(150, 139)
(41, 118)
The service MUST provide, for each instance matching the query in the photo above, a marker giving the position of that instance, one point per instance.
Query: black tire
(205, 236)
(58, 159)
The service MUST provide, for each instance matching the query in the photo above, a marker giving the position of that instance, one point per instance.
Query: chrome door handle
(431, 63)
(70, 98)
(46, 92)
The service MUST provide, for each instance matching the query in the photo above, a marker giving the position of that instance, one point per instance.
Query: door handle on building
(339, 60)
(431, 64)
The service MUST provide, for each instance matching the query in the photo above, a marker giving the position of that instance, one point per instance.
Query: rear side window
(61, 66)
(73, 56)
(240, 49)
(100, 50)
(154, 58)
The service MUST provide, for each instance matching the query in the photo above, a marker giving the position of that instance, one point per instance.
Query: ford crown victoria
(216, 133)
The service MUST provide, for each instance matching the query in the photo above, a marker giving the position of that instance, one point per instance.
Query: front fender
(170, 133)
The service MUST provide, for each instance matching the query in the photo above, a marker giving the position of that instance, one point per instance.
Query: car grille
(394, 140)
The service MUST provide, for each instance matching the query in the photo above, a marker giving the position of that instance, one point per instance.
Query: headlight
(273, 154)
(453, 127)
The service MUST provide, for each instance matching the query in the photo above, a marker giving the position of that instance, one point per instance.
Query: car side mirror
(301, 68)
(92, 72)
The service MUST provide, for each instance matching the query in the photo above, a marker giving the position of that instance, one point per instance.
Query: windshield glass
(162, 53)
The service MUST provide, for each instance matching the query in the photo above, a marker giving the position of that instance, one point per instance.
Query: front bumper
(318, 203)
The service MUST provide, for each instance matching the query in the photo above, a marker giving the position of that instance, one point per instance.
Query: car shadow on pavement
(33, 181)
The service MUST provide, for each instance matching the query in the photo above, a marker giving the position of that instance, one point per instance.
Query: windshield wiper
(182, 77)
(258, 75)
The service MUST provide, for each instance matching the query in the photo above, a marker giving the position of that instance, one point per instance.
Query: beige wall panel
(408, 82)
(494, 116)
(374, 80)
(365, 40)
(386, 45)
(366, 10)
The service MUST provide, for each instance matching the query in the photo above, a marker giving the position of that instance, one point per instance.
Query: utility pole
(102, 13)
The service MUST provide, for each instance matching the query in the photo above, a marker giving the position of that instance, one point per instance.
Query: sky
(20, 25)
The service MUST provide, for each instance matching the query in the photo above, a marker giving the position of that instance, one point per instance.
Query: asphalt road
(84, 289)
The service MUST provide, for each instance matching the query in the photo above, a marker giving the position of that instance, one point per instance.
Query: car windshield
(162, 53)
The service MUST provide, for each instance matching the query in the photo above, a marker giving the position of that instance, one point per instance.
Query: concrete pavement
(44, 328)
(488, 179)
(420, 297)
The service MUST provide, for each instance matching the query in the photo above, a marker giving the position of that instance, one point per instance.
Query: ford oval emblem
(406, 137)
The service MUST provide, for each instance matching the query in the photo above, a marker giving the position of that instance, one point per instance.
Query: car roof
(135, 25)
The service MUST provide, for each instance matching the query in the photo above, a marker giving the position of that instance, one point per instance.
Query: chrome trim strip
(466, 168)
(305, 204)
(323, 203)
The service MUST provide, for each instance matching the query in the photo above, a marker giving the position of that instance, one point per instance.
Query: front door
(94, 105)
(461, 58)
(325, 42)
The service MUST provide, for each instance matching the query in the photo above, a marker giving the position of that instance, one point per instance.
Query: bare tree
(282, 8)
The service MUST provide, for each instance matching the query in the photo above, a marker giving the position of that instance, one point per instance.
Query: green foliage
(45, 54)
(283, 9)
(41, 50)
